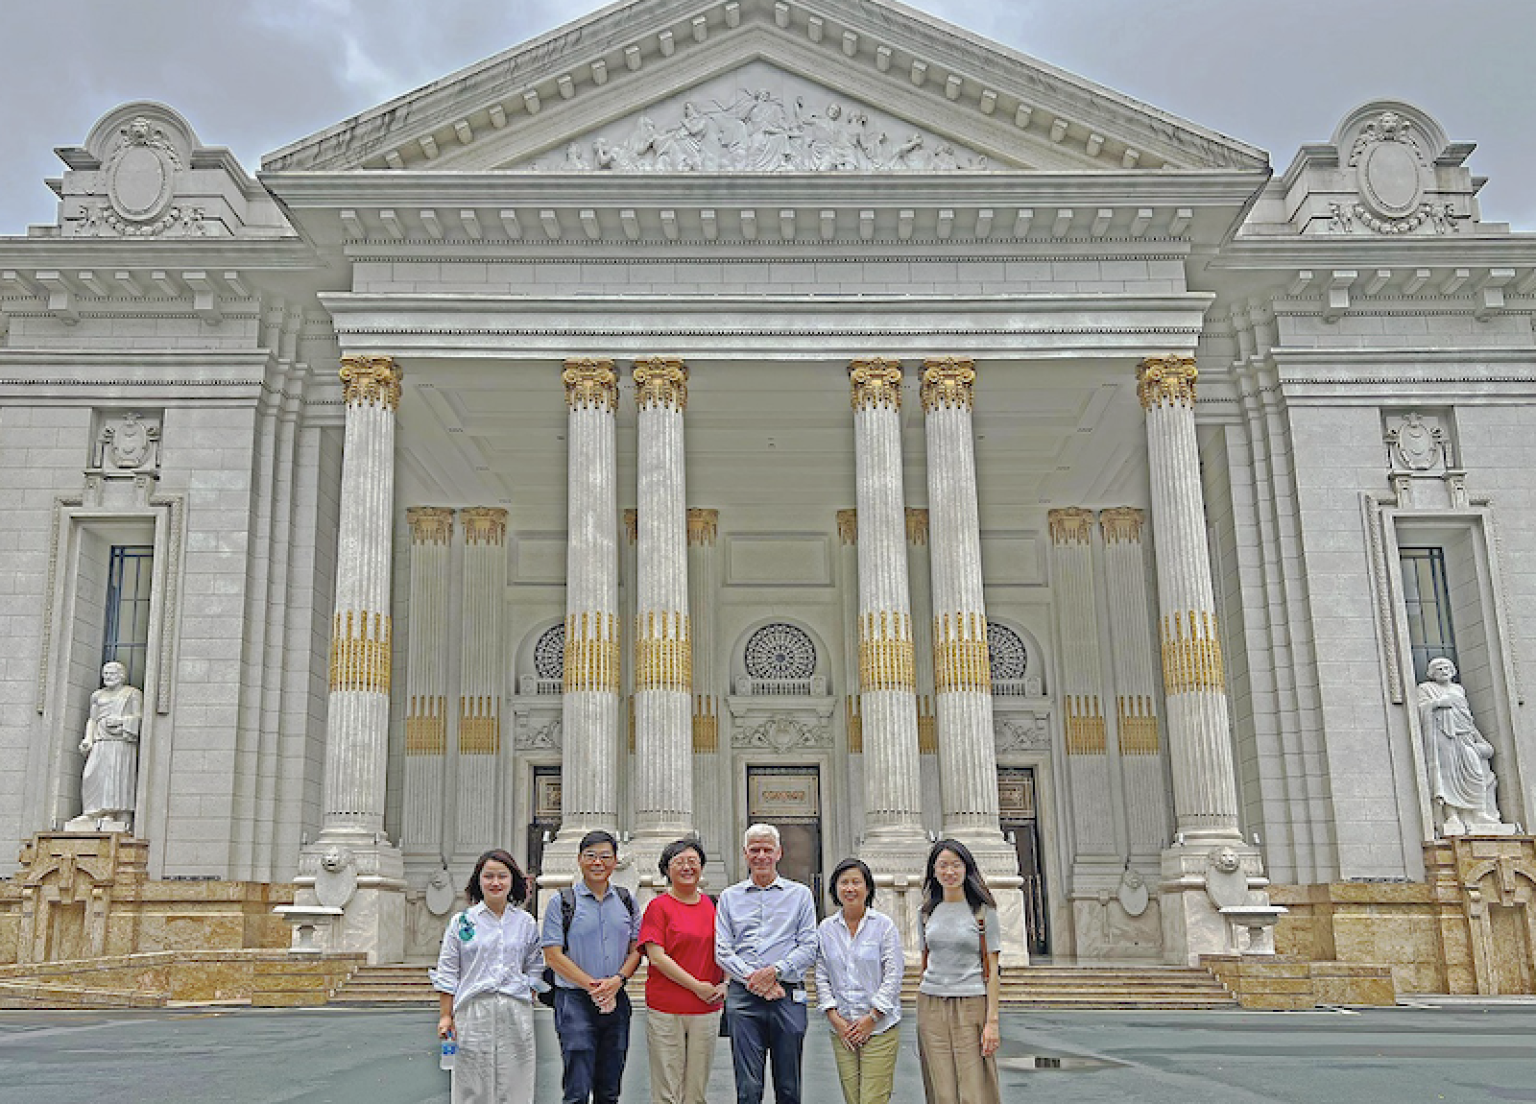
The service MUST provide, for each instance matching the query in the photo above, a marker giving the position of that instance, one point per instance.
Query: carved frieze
(1019, 732)
(784, 732)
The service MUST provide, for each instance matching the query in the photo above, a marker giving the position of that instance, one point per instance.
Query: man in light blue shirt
(765, 941)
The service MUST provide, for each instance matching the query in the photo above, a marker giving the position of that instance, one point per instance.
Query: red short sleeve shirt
(687, 934)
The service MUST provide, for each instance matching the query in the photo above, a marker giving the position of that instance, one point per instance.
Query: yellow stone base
(1286, 983)
(272, 979)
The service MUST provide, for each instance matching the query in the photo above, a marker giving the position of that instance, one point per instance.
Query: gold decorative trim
(1166, 381)
(590, 382)
(360, 652)
(484, 525)
(876, 381)
(854, 724)
(848, 526)
(632, 524)
(927, 727)
(702, 525)
(591, 653)
(629, 725)
(1138, 726)
(1122, 524)
(1192, 654)
(661, 381)
(960, 660)
(426, 725)
(949, 382)
(429, 524)
(370, 380)
(479, 726)
(663, 651)
(886, 660)
(706, 725)
(1085, 725)
(1071, 525)
(917, 525)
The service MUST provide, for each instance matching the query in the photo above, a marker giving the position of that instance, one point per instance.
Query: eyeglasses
(948, 866)
(597, 856)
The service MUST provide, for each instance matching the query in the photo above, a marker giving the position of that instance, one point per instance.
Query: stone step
(28, 994)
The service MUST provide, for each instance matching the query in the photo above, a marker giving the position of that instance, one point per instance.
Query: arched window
(780, 658)
(1009, 657)
(548, 674)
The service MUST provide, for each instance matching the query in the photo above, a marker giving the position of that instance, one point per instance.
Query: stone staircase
(1036, 987)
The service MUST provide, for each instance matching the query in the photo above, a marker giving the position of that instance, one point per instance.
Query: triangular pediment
(850, 85)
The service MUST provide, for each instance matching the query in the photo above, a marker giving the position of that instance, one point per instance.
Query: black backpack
(567, 914)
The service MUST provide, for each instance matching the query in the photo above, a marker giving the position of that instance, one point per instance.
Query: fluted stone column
(711, 769)
(920, 574)
(663, 772)
(962, 673)
(482, 677)
(893, 829)
(848, 584)
(1204, 786)
(1143, 756)
(426, 687)
(357, 724)
(590, 708)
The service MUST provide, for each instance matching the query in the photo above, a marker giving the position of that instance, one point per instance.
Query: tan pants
(495, 1062)
(949, 1044)
(682, 1048)
(869, 1073)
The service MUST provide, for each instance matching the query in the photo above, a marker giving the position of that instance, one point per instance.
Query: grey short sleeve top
(953, 942)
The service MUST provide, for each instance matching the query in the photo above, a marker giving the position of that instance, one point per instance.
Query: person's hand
(991, 1038)
(860, 1030)
(761, 980)
(709, 994)
(605, 989)
(775, 993)
(445, 1025)
(839, 1027)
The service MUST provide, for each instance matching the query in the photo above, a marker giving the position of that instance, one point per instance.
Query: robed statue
(1457, 757)
(111, 749)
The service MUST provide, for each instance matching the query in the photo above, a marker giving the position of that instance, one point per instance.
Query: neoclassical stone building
(803, 412)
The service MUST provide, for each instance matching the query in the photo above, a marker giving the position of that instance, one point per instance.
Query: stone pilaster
(711, 769)
(663, 657)
(482, 677)
(893, 830)
(920, 575)
(1204, 787)
(357, 726)
(426, 686)
(590, 708)
(962, 674)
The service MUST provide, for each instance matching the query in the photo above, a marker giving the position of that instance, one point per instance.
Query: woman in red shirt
(684, 989)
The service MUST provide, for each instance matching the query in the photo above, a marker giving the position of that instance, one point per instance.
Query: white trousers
(495, 1062)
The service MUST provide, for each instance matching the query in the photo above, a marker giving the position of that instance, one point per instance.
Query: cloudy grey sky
(254, 75)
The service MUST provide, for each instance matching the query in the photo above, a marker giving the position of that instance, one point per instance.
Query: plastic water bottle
(449, 1052)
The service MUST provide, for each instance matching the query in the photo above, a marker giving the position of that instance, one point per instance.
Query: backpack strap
(981, 930)
(567, 914)
(629, 902)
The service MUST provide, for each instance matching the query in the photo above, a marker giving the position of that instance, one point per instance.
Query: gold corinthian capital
(876, 382)
(948, 382)
(1166, 381)
(589, 381)
(1121, 524)
(370, 381)
(484, 524)
(1072, 525)
(661, 381)
(430, 524)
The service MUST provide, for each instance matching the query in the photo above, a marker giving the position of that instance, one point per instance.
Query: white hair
(761, 831)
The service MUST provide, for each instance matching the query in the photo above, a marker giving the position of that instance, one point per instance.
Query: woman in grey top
(957, 1000)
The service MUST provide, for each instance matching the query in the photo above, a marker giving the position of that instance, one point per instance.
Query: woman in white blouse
(858, 981)
(487, 972)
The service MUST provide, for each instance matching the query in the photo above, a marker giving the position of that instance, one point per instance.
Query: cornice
(1359, 252)
(165, 253)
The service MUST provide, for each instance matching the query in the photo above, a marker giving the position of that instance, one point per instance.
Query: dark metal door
(1016, 803)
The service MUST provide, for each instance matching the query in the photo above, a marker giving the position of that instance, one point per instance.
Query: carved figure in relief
(128, 444)
(1457, 756)
(1418, 445)
(111, 748)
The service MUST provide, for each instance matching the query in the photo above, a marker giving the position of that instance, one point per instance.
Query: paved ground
(1461, 1054)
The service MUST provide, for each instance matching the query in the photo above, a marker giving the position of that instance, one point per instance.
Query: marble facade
(646, 430)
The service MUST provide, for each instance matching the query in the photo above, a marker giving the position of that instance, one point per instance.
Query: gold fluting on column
(479, 726)
(1138, 726)
(1166, 380)
(875, 381)
(927, 727)
(591, 653)
(661, 381)
(360, 652)
(429, 524)
(590, 381)
(855, 725)
(370, 381)
(706, 725)
(960, 659)
(1122, 524)
(1071, 525)
(484, 524)
(1085, 725)
(630, 726)
(702, 525)
(917, 525)
(426, 725)
(663, 652)
(632, 525)
(1192, 654)
(948, 382)
(848, 526)
(886, 659)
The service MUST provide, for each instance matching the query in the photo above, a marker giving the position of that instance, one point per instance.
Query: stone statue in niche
(128, 444)
(111, 748)
(1416, 445)
(1458, 758)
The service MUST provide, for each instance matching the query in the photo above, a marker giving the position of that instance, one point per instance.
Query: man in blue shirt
(765, 941)
(591, 962)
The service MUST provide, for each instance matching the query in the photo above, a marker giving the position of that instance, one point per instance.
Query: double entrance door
(789, 798)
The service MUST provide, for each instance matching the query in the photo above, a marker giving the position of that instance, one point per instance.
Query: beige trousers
(682, 1048)
(495, 1061)
(949, 1044)
(869, 1073)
